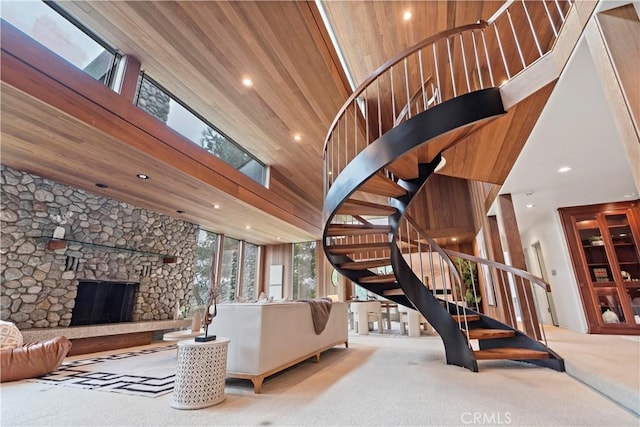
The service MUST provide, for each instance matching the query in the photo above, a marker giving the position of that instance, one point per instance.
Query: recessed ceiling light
(407, 15)
(101, 185)
(564, 169)
(247, 82)
(454, 239)
(142, 176)
(216, 206)
(628, 196)
(277, 237)
(297, 137)
(180, 211)
(247, 227)
(530, 205)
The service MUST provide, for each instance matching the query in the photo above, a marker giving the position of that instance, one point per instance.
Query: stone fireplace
(105, 241)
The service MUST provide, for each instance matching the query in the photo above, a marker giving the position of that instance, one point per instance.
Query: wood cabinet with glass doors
(604, 241)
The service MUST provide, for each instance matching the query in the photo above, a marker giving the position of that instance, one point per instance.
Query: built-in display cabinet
(604, 241)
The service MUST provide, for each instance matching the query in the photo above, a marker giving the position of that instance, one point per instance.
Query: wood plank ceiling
(201, 51)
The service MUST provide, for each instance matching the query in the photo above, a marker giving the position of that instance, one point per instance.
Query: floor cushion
(33, 360)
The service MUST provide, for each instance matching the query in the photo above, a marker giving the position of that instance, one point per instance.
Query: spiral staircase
(385, 143)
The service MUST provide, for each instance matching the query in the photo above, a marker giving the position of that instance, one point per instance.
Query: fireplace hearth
(99, 302)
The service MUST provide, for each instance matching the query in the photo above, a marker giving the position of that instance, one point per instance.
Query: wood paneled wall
(279, 255)
(443, 208)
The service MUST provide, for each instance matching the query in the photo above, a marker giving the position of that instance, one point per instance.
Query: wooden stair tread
(511, 353)
(381, 185)
(381, 278)
(470, 317)
(365, 265)
(357, 247)
(359, 207)
(485, 333)
(391, 292)
(356, 229)
(406, 166)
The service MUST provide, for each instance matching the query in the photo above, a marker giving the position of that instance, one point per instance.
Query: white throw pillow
(10, 336)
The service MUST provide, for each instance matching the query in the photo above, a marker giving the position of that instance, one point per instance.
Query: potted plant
(469, 274)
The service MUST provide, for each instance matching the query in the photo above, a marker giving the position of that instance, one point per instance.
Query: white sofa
(267, 338)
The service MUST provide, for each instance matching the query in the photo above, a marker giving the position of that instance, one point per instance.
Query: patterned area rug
(150, 372)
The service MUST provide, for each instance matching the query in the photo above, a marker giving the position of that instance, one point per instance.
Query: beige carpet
(377, 381)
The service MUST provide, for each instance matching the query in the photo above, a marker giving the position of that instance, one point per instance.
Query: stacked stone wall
(106, 240)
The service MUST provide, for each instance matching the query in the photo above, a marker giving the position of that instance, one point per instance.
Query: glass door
(625, 264)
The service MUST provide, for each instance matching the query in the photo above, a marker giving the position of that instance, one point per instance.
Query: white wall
(564, 288)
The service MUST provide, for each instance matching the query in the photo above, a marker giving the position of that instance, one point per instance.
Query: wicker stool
(201, 373)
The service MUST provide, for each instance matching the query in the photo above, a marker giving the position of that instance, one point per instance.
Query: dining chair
(366, 312)
(411, 321)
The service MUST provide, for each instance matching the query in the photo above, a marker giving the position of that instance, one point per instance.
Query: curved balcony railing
(439, 68)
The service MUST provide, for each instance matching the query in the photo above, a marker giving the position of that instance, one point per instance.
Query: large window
(50, 26)
(158, 102)
(250, 271)
(304, 270)
(234, 253)
(229, 270)
(204, 268)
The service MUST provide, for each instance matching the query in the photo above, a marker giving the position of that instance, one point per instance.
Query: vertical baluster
(504, 60)
(366, 117)
(434, 94)
(444, 282)
(422, 82)
(406, 86)
(486, 54)
(533, 31)
(510, 304)
(537, 305)
(355, 129)
(553, 25)
(379, 112)
(464, 63)
(346, 138)
(409, 244)
(420, 255)
(338, 150)
(475, 54)
(437, 70)
(562, 17)
(473, 284)
(393, 96)
(331, 171)
(534, 327)
(453, 79)
(432, 273)
(515, 37)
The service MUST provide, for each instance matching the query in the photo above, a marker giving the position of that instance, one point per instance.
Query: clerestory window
(159, 103)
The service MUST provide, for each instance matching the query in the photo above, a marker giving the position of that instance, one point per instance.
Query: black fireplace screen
(103, 302)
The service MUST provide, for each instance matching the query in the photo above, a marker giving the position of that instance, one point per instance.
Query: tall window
(228, 279)
(158, 102)
(229, 271)
(50, 26)
(204, 265)
(304, 270)
(250, 271)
